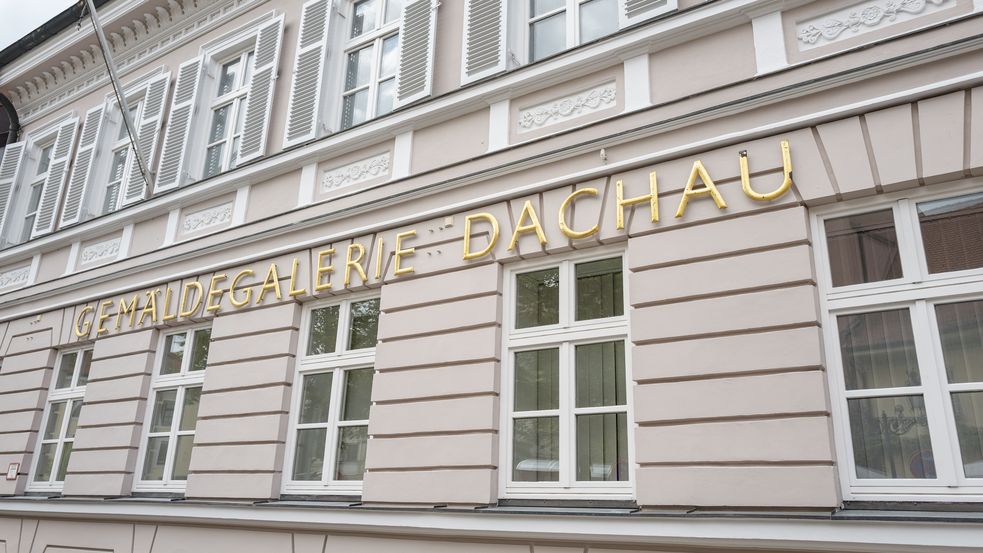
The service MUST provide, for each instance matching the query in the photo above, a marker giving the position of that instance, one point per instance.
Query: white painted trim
(498, 125)
(308, 185)
(773, 532)
(125, 240)
(638, 86)
(402, 155)
(73, 258)
(170, 232)
(769, 42)
(32, 277)
(240, 204)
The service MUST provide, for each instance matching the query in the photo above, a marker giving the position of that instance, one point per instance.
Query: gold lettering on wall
(521, 227)
(150, 309)
(322, 270)
(214, 292)
(652, 198)
(354, 262)
(294, 291)
(776, 193)
(126, 308)
(492, 238)
(708, 189)
(270, 283)
(197, 298)
(248, 295)
(82, 327)
(398, 270)
(562, 215)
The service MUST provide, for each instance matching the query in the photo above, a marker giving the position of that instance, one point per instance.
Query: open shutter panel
(85, 161)
(484, 39)
(172, 169)
(13, 156)
(148, 134)
(259, 98)
(308, 75)
(416, 49)
(631, 12)
(51, 193)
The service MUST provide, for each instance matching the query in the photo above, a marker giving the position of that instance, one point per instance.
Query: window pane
(213, 159)
(394, 10)
(163, 411)
(324, 331)
(55, 418)
(961, 333)
(173, 354)
(220, 123)
(199, 349)
(153, 465)
(46, 460)
(599, 289)
(351, 452)
(73, 418)
(227, 78)
(537, 298)
(309, 457)
(387, 94)
(602, 447)
(111, 198)
(44, 160)
(598, 18)
(390, 57)
(182, 457)
(537, 380)
(891, 438)
(315, 398)
(547, 36)
(601, 374)
(354, 109)
(66, 369)
(878, 350)
(359, 68)
(84, 369)
(863, 248)
(365, 324)
(66, 452)
(539, 7)
(189, 410)
(952, 231)
(364, 17)
(967, 407)
(536, 449)
(118, 164)
(358, 395)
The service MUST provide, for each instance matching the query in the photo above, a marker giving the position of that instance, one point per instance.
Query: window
(567, 414)
(903, 289)
(34, 188)
(119, 160)
(371, 59)
(333, 392)
(169, 432)
(61, 417)
(555, 25)
(227, 112)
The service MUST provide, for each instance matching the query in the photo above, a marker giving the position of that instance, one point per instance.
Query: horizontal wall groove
(114, 400)
(244, 442)
(737, 374)
(25, 410)
(91, 472)
(240, 415)
(24, 391)
(107, 448)
(442, 301)
(732, 253)
(127, 354)
(260, 358)
(438, 365)
(738, 332)
(232, 471)
(22, 371)
(110, 425)
(253, 333)
(216, 391)
(435, 398)
(728, 293)
(448, 332)
(735, 418)
(711, 220)
(697, 464)
(442, 433)
(432, 468)
(118, 377)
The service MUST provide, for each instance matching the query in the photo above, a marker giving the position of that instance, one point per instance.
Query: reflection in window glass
(358, 395)
(863, 248)
(164, 404)
(315, 398)
(967, 407)
(364, 329)
(309, 454)
(600, 370)
(189, 409)
(599, 289)
(952, 233)
(84, 368)
(598, 18)
(537, 298)
(55, 418)
(182, 457)
(323, 335)
(961, 334)
(66, 370)
(537, 380)
(156, 458)
(173, 353)
(536, 449)
(364, 17)
(878, 350)
(547, 36)
(350, 464)
(199, 353)
(891, 437)
(602, 447)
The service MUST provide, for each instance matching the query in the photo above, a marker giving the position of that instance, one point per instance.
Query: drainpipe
(12, 115)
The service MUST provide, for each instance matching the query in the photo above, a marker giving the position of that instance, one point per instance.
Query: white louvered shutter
(631, 12)
(13, 157)
(304, 109)
(85, 162)
(148, 134)
(61, 155)
(172, 169)
(484, 39)
(259, 98)
(414, 80)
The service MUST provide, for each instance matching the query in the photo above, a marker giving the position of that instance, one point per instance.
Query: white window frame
(338, 362)
(373, 38)
(37, 143)
(236, 98)
(135, 104)
(919, 291)
(73, 392)
(565, 335)
(181, 382)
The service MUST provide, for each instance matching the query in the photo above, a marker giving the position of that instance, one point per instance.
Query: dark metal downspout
(14, 119)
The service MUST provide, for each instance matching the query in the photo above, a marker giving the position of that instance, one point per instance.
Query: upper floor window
(225, 128)
(121, 156)
(903, 282)
(371, 60)
(61, 415)
(566, 396)
(34, 188)
(555, 25)
(172, 410)
(329, 419)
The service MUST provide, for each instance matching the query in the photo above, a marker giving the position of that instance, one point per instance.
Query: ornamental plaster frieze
(17, 276)
(355, 173)
(862, 18)
(147, 36)
(106, 250)
(207, 218)
(569, 107)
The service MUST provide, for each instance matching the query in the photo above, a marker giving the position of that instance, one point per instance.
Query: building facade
(495, 275)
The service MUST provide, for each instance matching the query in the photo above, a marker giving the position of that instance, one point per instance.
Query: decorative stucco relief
(152, 33)
(207, 218)
(568, 107)
(355, 173)
(15, 277)
(862, 18)
(100, 251)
